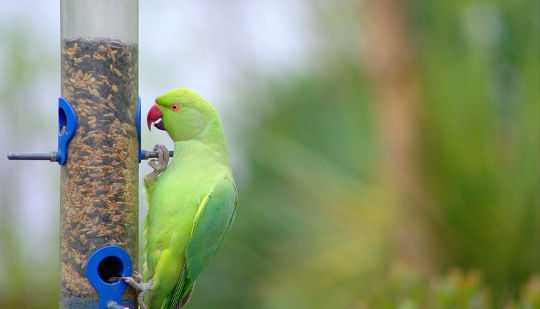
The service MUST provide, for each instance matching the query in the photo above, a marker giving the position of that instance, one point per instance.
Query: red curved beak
(155, 114)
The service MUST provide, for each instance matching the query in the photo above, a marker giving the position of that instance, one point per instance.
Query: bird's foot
(114, 305)
(160, 164)
(141, 287)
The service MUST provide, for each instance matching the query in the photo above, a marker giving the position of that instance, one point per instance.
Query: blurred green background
(387, 153)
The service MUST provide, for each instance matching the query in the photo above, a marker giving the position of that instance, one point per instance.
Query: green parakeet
(192, 201)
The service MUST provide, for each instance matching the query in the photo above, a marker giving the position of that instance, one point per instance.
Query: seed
(100, 179)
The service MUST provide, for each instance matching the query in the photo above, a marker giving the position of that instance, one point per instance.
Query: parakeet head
(182, 113)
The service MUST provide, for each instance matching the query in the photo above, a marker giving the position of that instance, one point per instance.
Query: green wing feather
(211, 226)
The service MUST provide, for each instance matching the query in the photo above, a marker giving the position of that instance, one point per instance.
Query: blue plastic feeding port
(67, 125)
(104, 269)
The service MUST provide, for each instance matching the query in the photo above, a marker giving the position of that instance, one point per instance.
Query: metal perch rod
(152, 154)
(49, 156)
(53, 156)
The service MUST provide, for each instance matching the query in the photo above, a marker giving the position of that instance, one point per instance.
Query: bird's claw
(141, 287)
(136, 276)
(160, 164)
(114, 305)
(134, 281)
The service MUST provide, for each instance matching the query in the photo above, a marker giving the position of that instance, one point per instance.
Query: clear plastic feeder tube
(99, 182)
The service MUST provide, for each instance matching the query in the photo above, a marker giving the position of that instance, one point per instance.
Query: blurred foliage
(406, 289)
(481, 74)
(317, 228)
(312, 227)
(27, 280)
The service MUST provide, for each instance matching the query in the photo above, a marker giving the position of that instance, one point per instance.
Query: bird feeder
(99, 180)
(98, 152)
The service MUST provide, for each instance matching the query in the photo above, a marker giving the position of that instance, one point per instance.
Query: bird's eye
(175, 107)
